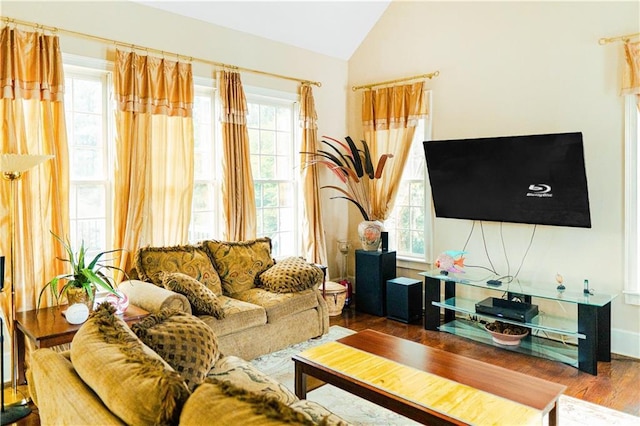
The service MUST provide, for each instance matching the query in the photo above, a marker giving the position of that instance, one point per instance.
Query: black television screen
(534, 179)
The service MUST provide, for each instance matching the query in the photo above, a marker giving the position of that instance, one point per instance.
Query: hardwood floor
(616, 385)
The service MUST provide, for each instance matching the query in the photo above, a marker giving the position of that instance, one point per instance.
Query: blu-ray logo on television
(540, 190)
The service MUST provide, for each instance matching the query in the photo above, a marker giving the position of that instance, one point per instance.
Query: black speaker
(404, 299)
(385, 241)
(1, 273)
(373, 269)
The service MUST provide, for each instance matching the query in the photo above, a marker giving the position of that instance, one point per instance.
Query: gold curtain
(631, 81)
(154, 149)
(237, 183)
(32, 115)
(389, 118)
(313, 237)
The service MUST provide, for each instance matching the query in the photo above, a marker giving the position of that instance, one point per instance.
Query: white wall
(509, 68)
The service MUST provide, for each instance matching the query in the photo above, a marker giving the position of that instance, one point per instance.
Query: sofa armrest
(323, 312)
(152, 298)
(60, 394)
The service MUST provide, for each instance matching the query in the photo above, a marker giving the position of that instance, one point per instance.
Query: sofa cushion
(203, 301)
(279, 305)
(186, 343)
(134, 382)
(238, 316)
(151, 262)
(225, 404)
(239, 263)
(245, 375)
(290, 275)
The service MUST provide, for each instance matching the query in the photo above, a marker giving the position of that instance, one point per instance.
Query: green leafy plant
(83, 275)
(354, 167)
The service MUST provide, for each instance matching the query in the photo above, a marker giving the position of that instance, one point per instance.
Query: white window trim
(632, 212)
(206, 87)
(258, 94)
(87, 62)
(83, 66)
(420, 263)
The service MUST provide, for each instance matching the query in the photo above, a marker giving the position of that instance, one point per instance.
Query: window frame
(632, 195)
(404, 259)
(88, 68)
(277, 98)
(207, 87)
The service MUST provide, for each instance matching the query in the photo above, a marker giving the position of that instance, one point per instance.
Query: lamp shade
(18, 163)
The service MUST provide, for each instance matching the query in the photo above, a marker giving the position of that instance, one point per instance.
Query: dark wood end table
(47, 327)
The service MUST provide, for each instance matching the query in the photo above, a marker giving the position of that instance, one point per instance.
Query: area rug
(358, 411)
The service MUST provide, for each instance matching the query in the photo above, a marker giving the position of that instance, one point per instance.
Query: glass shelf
(479, 279)
(542, 322)
(530, 345)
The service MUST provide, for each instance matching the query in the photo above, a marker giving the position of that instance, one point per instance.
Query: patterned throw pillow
(237, 371)
(316, 413)
(151, 262)
(185, 342)
(239, 263)
(229, 404)
(135, 383)
(291, 275)
(203, 301)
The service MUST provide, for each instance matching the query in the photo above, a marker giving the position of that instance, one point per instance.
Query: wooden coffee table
(47, 327)
(427, 384)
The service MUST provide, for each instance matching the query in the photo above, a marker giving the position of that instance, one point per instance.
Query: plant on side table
(84, 278)
(355, 168)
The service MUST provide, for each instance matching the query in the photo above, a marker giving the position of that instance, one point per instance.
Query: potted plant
(356, 170)
(84, 278)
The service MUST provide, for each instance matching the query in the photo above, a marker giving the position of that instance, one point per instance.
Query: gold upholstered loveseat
(253, 304)
(165, 370)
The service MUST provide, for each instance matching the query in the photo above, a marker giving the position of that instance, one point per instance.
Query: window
(409, 224)
(632, 208)
(89, 132)
(273, 148)
(205, 219)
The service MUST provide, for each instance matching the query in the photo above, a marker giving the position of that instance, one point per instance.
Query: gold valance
(24, 72)
(147, 84)
(394, 107)
(631, 79)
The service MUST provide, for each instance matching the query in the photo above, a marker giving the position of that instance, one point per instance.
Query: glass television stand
(592, 328)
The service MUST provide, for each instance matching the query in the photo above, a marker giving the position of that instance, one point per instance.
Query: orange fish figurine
(450, 261)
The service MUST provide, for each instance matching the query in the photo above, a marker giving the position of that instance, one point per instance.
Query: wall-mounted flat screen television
(534, 179)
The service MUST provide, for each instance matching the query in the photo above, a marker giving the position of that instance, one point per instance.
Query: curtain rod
(398, 80)
(605, 40)
(9, 21)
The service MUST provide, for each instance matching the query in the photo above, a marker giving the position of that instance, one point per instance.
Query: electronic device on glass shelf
(533, 179)
(509, 309)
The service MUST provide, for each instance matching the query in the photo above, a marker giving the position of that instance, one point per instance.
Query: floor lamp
(12, 166)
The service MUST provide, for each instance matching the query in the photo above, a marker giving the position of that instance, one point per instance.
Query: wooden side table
(47, 327)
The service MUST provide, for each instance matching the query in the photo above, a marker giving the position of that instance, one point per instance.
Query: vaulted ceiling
(333, 28)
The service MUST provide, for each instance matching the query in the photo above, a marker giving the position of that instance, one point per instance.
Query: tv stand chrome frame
(593, 329)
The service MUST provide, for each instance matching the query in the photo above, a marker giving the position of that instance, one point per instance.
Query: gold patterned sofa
(254, 305)
(166, 370)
